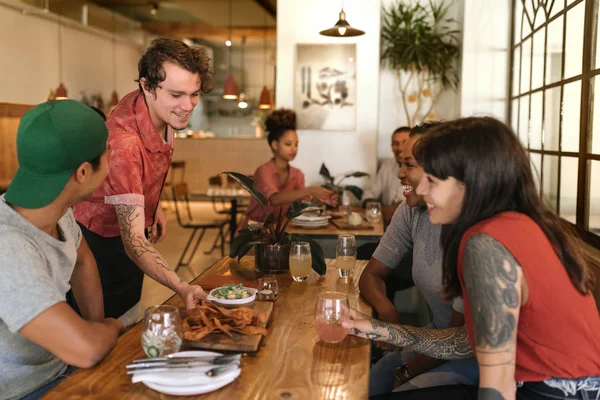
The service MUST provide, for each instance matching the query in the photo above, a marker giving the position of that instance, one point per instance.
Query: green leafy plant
(337, 187)
(423, 47)
(273, 228)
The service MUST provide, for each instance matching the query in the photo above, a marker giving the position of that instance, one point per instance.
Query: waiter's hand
(191, 295)
(159, 229)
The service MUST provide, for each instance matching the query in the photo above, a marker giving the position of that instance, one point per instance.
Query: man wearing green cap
(123, 219)
(61, 147)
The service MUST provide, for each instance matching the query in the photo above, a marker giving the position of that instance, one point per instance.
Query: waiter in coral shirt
(123, 218)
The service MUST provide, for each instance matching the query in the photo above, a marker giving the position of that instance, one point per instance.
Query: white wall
(485, 64)
(300, 22)
(391, 112)
(29, 60)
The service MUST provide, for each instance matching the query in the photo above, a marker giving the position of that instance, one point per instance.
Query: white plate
(311, 224)
(233, 302)
(185, 383)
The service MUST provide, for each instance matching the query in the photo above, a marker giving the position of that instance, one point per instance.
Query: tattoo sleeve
(493, 280)
(444, 344)
(131, 224)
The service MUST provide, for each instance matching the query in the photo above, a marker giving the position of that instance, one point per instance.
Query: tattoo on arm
(489, 394)
(491, 276)
(138, 244)
(445, 344)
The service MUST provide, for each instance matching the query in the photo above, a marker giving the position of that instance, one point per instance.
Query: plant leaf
(245, 248)
(316, 252)
(247, 184)
(356, 174)
(244, 236)
(324, 172)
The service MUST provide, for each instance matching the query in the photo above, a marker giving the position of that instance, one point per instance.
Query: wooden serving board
(344, 225)
(239, 342)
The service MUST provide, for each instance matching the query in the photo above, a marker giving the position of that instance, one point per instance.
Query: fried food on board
(207, 318)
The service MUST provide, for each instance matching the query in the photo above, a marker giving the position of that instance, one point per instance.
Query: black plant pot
(272, 258)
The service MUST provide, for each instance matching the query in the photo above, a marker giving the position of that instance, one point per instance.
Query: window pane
(516, 70)
(535, 136)
(550, 180)
(568, 188)
(518, 16)
(594, 204)
(571, 115)
(524, 120)
(597, 48)
(537, 63)
(569, 2)
(525, 65)
(540, 18)
(596, 117)
(574, 43)
(554, 50)
(527, 17)
(514, 116)
(536, 167)
(552, 119)
(556, 7)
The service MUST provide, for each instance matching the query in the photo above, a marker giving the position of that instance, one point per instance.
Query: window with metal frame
(555, 73)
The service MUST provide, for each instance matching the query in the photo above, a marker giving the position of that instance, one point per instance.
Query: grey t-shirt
(35, 270)
(411, 231)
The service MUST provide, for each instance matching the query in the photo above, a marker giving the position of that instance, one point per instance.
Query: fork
(216, 371)
(217, 360)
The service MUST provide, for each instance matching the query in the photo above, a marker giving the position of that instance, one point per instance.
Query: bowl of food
(232, 295)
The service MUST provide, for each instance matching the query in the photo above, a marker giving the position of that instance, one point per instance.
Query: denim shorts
(587, 388)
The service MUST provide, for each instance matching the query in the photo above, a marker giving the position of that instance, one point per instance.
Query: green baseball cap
(53, 140)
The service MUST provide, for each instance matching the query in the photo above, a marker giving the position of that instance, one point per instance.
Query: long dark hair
(486, 156)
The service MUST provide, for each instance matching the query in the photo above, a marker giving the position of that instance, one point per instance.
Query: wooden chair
(181, 199)
(175, 174)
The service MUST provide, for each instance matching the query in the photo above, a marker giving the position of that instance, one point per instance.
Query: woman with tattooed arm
(411, 234)
(529, 316)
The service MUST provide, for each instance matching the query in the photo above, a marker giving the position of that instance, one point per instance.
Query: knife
(222, 359)
(211, 372)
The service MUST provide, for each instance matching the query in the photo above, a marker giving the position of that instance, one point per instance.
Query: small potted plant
(270, 239)
(337, 187)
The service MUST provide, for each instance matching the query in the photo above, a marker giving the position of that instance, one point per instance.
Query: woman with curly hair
(279, 182)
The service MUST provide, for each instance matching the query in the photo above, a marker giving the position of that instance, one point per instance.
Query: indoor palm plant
(270, 239)
(337, 187)
(422, 45)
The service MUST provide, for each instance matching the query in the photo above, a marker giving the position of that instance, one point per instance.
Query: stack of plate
(311, 220)
(182, 381)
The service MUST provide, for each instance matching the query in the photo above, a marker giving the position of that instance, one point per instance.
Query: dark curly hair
(193, 59)
(278, 122)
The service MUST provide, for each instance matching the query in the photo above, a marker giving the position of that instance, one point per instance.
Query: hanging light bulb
(242, 103)
(228, 43)
(153, 8)
(265, 94)
(61, 90)
(342, 28)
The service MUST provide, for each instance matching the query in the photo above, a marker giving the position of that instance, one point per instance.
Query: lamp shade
(265, 99)
(230, 90)
(61, 92)
(342, 28)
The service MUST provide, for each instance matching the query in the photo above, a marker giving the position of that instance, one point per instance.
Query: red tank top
(559, 328)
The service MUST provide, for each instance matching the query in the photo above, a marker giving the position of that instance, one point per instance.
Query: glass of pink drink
(331, 309)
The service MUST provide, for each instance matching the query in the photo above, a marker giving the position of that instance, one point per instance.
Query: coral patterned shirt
(266, 179)
(139, 159)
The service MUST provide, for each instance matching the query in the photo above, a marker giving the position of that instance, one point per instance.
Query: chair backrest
(215, 181)
(177, 168)
(182, 199)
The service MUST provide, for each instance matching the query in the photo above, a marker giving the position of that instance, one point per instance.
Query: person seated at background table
(386, 187)
(62, 153)
(411, 233)
(530, 318)
(277, 180)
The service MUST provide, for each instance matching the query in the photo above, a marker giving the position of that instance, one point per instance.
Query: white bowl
(233, 302)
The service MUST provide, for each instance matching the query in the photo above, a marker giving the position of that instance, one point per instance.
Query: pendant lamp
(342, 28)
(265, 95)
(61, 90)
(243, 103)
(230, 90)
(114, 98)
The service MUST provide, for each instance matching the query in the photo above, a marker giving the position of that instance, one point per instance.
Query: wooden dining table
(291, 362)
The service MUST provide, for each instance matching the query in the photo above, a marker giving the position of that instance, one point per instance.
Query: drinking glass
(161, 334)
(300, 261)
(373, 212)
(344, 207)
(332, 308)
(267, 288)
(345, 255)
